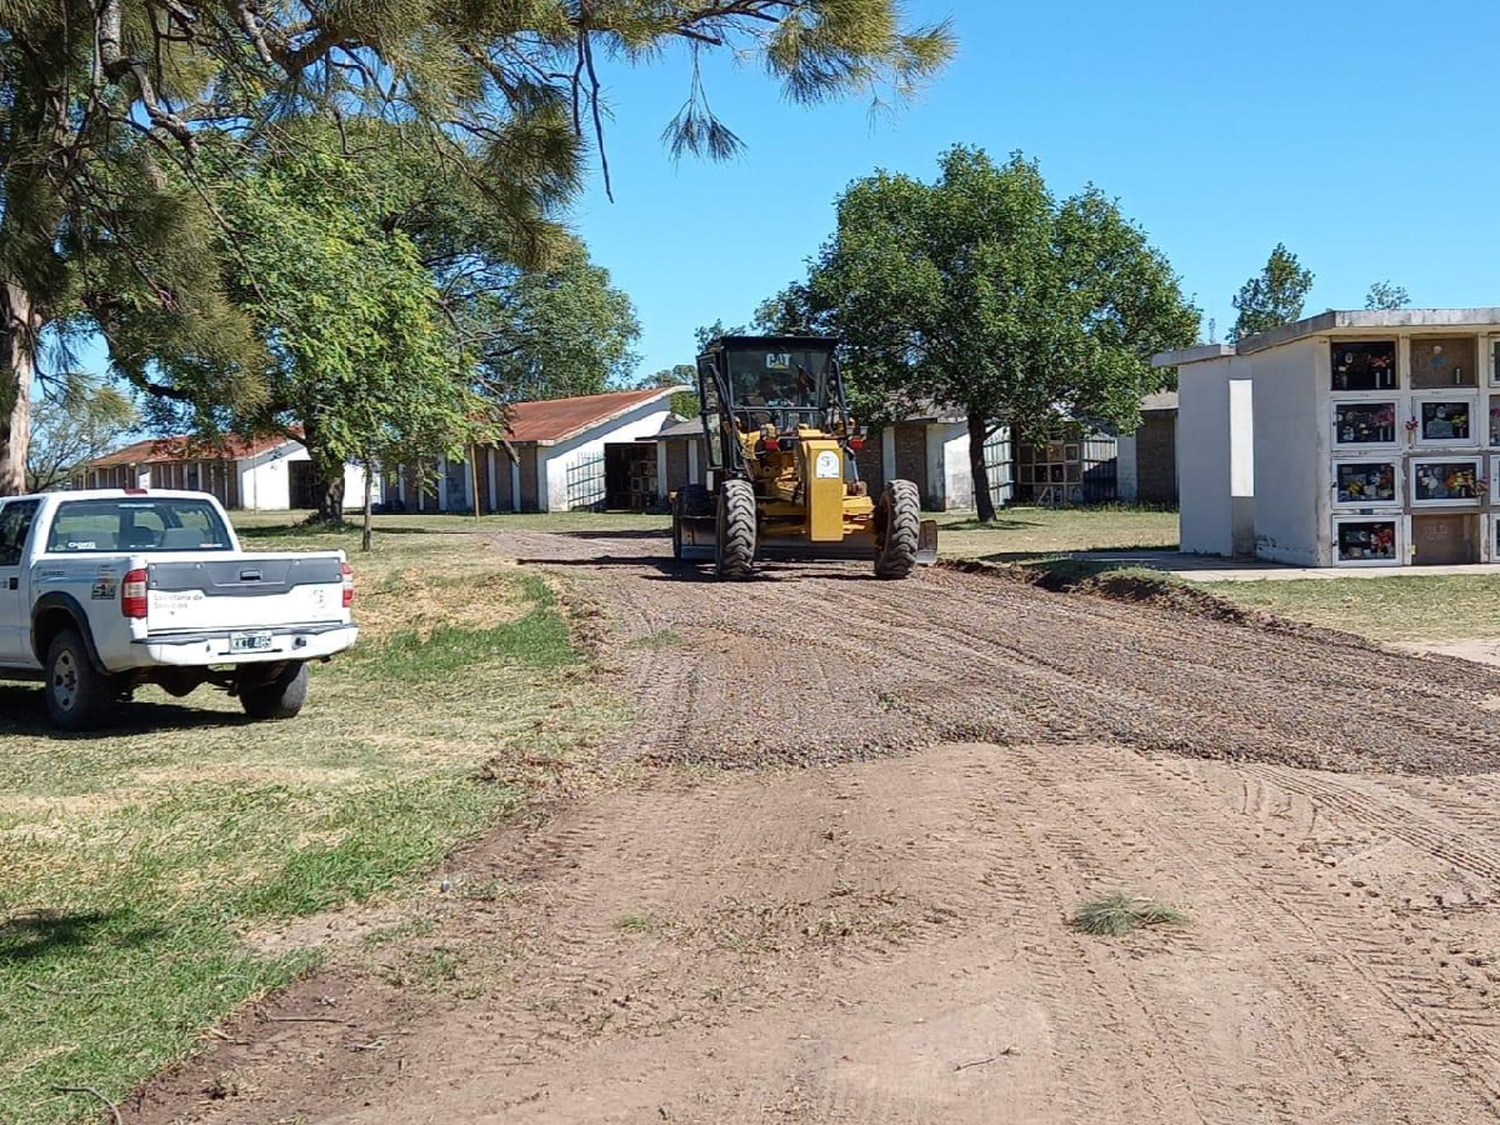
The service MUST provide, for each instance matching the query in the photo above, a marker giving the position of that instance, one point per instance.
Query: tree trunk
(369, 531)
(983, 501)
(328, 479)
(18, 328)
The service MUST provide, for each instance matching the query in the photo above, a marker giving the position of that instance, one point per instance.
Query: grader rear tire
(898, 525)
(734, 546)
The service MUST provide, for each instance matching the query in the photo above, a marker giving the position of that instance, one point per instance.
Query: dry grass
(137, 863)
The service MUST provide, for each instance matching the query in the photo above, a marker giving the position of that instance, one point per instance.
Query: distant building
(590, 451)
(1147, 472)
(1076, 464)
(262, 474)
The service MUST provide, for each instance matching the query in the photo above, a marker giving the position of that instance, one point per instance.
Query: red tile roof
(156, 451)
(557, 419)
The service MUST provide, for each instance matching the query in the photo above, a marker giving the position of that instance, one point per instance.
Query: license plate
(249, 642)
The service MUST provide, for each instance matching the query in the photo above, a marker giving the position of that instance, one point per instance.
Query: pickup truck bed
(103, 591)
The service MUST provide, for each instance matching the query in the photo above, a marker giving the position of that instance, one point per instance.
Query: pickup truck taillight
(348, 585)
(133, 593)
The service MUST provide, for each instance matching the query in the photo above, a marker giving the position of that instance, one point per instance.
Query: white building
(590, 451)
(1368, 438)
(264, 474)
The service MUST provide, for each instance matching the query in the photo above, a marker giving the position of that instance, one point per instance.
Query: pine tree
(116, 114)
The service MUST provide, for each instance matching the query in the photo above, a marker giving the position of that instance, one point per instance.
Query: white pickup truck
(103, 591)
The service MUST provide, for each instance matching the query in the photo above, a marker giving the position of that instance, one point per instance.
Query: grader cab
(783, 481)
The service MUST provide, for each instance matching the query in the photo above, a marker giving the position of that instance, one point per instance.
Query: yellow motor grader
(783, 482)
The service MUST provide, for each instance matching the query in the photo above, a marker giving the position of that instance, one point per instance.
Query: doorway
(302, 485)
(630, 475)
(1444, 540)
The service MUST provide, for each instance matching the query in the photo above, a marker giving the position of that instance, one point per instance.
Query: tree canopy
(1385, 295)
(1272, 297)
(113, 112)
(985, 293)
(78, 420)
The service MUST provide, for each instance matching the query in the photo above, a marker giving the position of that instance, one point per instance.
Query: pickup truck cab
(103, 591)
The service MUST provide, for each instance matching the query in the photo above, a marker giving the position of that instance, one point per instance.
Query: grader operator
(783, 481)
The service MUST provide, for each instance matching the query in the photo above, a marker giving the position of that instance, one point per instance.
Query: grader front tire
(898, 526)
(734, 546)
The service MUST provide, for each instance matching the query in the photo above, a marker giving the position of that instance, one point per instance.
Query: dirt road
(882, 940)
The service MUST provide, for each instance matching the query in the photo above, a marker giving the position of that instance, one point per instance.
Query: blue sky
(1353, 132)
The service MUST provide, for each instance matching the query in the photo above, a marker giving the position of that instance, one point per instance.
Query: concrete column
(693, 477)
(515, 484)
(937, 468)
(661, 470)
(1127, 483)
(888, 451)
(442, 483)
(494, 479)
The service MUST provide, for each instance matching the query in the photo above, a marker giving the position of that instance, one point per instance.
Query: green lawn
(1025, 534)
(1405, 608)
(137, 862)
(285, 523)
(1435, 607)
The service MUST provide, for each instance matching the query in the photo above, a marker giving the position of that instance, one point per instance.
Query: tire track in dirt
(830, 945)
(949, 655)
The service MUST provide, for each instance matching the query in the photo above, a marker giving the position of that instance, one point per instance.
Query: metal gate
(586, 482)
(997, 466)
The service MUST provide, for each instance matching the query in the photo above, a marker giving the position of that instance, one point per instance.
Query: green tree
(548, 333)
(108, 107)
(705, 334)
(1272, 297)
(983, 292)
(684, 403)
(1384, 295)
(80, 420)
(358, 360)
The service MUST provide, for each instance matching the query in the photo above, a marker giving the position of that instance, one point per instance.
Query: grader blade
(927, 543)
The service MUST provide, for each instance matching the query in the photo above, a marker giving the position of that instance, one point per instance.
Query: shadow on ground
(23, 711)
(42, 933)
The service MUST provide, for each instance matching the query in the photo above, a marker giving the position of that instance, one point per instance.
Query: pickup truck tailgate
(245, 592)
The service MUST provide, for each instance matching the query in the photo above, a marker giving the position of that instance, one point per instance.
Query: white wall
(265, 480)
(553, 460)
(1291, 501)
(958, 481)
(354, 487)
(1203, 460)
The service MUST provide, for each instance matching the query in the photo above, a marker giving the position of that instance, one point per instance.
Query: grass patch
(636, 923)
(135, 860)
(662, 638)
(1121, 913)
(1019, 534)
(1404, 608)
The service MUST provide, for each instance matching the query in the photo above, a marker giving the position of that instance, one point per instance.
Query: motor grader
(783, 480)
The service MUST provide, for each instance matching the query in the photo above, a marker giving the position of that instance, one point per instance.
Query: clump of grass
(662, 638)
(1120, 913)
(636, 924)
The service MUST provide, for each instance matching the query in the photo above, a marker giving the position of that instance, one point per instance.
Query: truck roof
(113, 494)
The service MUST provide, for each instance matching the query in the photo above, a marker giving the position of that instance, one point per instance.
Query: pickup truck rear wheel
(282, 698)
(79, 696)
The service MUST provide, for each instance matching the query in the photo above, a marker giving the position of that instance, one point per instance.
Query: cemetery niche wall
(1374, 439)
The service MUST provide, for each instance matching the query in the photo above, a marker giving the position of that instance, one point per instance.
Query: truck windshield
(166, 523)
